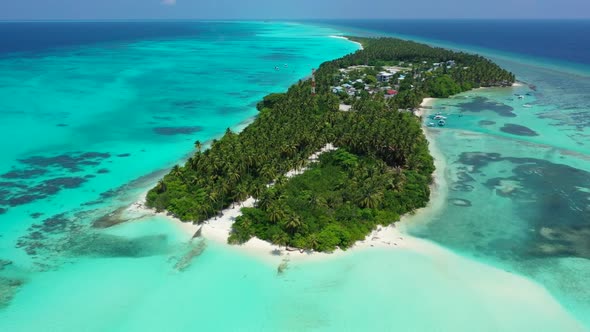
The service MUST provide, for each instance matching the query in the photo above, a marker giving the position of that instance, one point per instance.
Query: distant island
(349, 133)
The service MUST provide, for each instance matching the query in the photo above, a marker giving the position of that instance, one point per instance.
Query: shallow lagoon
(124, 278)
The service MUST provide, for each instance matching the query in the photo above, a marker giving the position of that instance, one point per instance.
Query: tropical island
(375, 165)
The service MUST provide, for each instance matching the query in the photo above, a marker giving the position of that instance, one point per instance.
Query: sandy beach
(439, 186)
(218, 229)
(342, 37)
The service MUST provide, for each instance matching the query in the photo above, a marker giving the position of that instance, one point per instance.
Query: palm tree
(370, 198)
(268, 172)
(198, 145)
(313, 241)
(178, 172)
(161, 187)
(293, 222)
(241, 193)
(275, 213)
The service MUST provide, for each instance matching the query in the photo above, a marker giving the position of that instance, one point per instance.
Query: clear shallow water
(518, 169)
(146, 94)
(526, 188)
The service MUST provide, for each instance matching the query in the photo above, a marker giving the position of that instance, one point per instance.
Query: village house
(384, 76)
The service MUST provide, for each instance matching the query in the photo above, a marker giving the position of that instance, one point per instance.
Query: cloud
(169, 2)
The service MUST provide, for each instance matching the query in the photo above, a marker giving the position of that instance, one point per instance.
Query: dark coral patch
(6, 184)
(2, 211)
(8, 288)
(4, 263)
(65, 161)
(62, 125)
(169, 131)
(95, 155)
(552, 198)
(518, 130)
(23, 174)
(102, 171)
(54, 224)
(479, 104)
(486, 123)
(24, 199)
(124, 155)
(65, 182)
(36, 215)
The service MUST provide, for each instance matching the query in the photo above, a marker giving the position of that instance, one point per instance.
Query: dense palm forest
(381, 170)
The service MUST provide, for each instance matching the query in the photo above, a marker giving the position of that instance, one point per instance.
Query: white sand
(342, 37)
(439, 188)
(218, 229)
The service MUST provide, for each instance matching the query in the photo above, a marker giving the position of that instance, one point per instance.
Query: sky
(292, 9)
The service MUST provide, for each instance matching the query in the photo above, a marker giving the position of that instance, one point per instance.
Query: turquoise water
(93, 117)
(517, 169)
(527, 188)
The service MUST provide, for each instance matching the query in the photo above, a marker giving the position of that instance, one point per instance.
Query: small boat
(431, 124)
(439, 117)
(527, 105)
(520, 97)
(276, 68)
(441, 123)
(286, 65)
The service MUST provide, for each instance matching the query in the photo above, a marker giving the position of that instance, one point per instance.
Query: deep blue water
(18, 37)
(553, 39)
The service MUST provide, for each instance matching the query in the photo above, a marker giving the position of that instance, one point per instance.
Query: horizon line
(285, 19)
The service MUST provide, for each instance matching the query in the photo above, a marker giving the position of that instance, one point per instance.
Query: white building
(384, 76)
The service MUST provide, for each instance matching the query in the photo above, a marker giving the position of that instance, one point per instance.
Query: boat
(439, 117)
(441, 123)
(527, 105)
(431, 124)
(520, 97)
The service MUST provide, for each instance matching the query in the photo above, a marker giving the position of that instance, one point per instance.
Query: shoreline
(218, 229)
(439, 189)
(342, 37)
(394, 236)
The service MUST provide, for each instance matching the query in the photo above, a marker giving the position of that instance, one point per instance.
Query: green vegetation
(429, 71)
(381, 170)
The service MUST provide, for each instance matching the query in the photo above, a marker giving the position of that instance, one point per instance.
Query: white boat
(431, 124)
(527, 105)
(439, 117)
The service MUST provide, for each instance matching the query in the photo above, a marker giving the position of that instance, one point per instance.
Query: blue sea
(93, 113)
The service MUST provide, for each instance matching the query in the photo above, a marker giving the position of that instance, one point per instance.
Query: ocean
(94, 113)
(518, 160)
